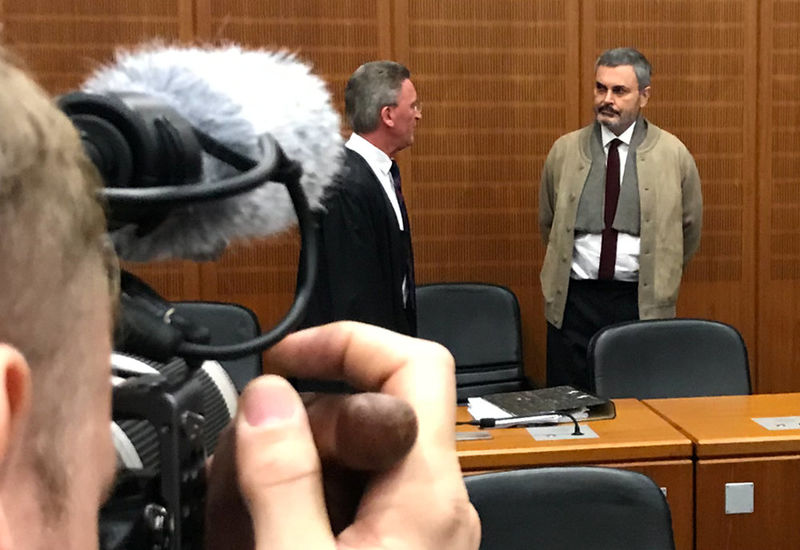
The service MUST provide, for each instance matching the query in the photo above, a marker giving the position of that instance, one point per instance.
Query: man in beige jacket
(620, 211)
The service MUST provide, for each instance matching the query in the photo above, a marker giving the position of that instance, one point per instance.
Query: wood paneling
(499, 81)
(779, 197)
(62, 40)
(775, 509)
(336, 37)
(174, 280)
(729, 447)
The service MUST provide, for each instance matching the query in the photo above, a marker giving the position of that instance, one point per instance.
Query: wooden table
(637, 439)
(730, 447)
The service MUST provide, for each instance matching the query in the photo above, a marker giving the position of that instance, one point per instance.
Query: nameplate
(561, 431)
(779, 422)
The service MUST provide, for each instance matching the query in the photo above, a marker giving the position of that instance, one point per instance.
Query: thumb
(279, 468)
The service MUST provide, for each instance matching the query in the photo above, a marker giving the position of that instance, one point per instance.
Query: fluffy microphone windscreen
(234, 95)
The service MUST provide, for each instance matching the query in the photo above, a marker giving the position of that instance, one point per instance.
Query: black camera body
(168, 415)
(162, 502)
(167, 418)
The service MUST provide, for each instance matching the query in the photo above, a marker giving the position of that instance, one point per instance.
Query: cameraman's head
(56, 287)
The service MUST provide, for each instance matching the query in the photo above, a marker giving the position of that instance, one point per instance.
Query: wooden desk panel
(636, 434)
(722, 426)
(731, 448)
(776, 505)
(637, 439)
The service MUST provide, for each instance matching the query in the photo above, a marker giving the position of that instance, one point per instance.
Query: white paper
(479, 408)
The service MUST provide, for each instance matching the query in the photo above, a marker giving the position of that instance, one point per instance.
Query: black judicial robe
(363, 256)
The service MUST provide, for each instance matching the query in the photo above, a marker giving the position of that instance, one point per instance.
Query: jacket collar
(650, 140)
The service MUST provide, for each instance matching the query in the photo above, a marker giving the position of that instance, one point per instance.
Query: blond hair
(51, 249)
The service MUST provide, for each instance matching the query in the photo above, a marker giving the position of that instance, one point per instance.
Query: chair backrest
(669, 358)
(480, 325)
(227, 324)
(570, 507)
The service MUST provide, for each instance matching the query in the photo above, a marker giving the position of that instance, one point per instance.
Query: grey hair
(627, 56)
(371, 87)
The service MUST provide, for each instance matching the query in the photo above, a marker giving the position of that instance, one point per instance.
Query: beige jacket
(671, 217)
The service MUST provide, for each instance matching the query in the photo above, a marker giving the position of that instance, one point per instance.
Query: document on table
(558, 399)
(481, 408)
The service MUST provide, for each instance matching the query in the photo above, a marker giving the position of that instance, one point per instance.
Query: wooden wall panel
(499, 83)
(62, 40)
(779, 204)
(336, 37)
(174, 280)
(704, 89)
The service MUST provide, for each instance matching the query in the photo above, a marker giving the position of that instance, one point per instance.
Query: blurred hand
(385, 488)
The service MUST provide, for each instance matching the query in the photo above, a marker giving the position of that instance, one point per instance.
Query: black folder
(555, 399)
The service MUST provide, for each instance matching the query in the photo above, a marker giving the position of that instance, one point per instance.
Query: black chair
(480, 325)
(570, 508)
(227, 324)
(669, 358)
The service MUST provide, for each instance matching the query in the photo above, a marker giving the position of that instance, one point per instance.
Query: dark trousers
(591, 305)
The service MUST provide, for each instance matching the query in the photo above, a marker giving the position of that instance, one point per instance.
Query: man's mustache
(607, 110)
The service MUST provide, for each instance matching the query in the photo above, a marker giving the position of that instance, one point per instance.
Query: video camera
(170, 398)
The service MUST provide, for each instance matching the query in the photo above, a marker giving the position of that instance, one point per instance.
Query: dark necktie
(608, 247)
(411, 298)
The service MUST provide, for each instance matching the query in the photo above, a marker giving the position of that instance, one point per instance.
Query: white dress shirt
(380, 164)
(586, 252)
